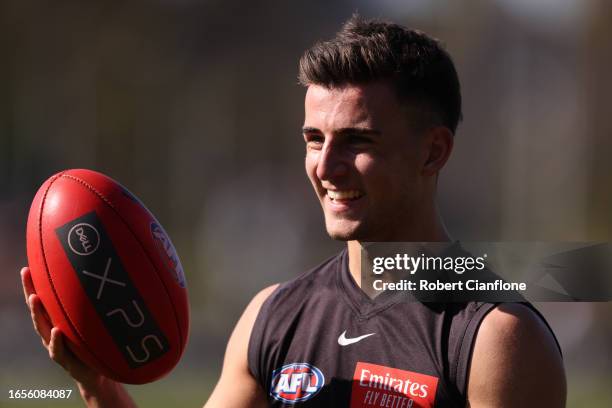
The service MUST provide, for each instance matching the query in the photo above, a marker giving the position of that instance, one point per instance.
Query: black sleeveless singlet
(319, 341)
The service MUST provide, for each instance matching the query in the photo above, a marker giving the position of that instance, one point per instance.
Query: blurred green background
(194, 106)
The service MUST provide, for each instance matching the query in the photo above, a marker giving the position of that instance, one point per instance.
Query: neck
(435, 232)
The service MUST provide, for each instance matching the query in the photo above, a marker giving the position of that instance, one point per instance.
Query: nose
(332, 163)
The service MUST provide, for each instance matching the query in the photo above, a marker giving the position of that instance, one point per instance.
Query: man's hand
(52, 337)
(96, 390)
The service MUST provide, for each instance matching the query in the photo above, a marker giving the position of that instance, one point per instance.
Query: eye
(359, 139)
(314, 141)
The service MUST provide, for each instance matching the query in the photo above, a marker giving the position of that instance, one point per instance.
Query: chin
(345, 232)
(340, 236)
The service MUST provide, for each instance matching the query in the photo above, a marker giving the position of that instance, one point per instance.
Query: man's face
(364, 160)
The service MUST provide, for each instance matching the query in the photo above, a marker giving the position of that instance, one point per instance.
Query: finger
(61, 354)
(26, 282)
(56, 346)
(42, 325)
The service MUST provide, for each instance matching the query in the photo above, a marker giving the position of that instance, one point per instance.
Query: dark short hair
(363, 51)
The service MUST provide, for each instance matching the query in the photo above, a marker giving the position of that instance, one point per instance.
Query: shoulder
(236, 356)
(242, 331)
(314, 281)
(252, 309)
(515, 361)
(235, 364)
(293, 291)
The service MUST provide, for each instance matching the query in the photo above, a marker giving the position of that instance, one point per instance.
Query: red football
(108, 275)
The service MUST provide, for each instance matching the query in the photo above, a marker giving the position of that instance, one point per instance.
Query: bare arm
(235, 365)
(516, 362)
(96, 390)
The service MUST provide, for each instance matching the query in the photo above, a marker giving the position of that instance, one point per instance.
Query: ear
(438, 142)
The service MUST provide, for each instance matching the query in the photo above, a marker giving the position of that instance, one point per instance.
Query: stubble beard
(347, 230)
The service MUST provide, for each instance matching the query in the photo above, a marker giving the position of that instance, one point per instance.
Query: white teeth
(343, 195)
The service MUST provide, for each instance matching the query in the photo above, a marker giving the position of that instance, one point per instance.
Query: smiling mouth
(338, 196)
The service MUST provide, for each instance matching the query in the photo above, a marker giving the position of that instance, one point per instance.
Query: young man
(381, 109)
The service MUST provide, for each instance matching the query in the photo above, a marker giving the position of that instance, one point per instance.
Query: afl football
(108, 276)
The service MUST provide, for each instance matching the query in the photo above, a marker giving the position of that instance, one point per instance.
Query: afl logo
(296, 382)
(83, 239)
(168, 253)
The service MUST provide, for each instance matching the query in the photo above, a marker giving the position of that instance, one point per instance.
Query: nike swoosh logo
(343, 341)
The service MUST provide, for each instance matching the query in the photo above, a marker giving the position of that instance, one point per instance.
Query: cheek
(375, 173)
(366, 164)
(310, 164)
(389, 181)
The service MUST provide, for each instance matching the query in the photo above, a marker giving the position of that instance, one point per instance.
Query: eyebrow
(345, 131)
